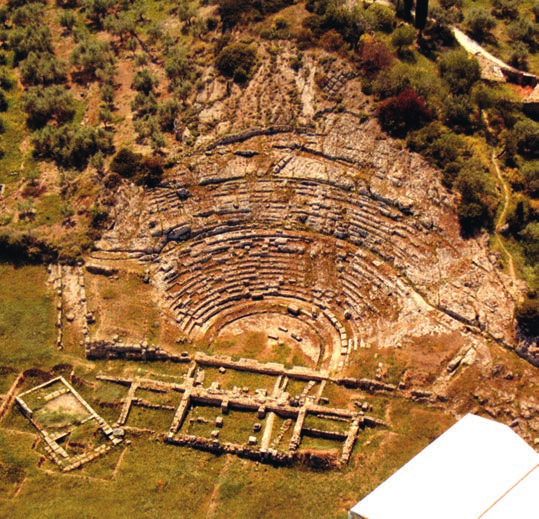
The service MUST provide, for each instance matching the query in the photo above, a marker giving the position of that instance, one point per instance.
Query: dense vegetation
(70, 57)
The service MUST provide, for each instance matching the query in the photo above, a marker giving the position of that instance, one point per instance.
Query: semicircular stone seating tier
(338, 228)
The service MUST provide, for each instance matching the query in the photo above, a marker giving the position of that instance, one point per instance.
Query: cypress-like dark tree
(421, 13)
(408, 6)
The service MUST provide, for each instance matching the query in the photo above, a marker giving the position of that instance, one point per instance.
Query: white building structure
(477, 469)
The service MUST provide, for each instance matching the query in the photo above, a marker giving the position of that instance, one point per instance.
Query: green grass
(158, 420)
(48, 210)
(27, 315)
(11, 140)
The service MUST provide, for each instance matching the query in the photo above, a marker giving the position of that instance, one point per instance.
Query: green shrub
(518, 56)
(530, 242)
(120, 25)
(479, 23)
(177, 65)
(237, 61)
(505, 9)
(71, 146)
(442, 148)
(144, 105)
(522, 30)
(20, 3)
(125, 162)
(530, 175)
(523, 139)
(458, 112)
(67, 20)
(97, 10)
(146, 127)
(42, 69)
(45, 104)
(527, 316)
(32, 38)
(380, 17)
(167, 113)
(459, 70)
(147, 171)
(403, 36)
(144, 81)
(478, 202)
(27, 14)
(91, 55)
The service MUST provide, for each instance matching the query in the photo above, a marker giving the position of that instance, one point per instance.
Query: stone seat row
(240, 197)
(359, 224)
(257, 270)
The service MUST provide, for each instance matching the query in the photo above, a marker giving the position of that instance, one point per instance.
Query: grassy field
(149, 478)
(27, 317)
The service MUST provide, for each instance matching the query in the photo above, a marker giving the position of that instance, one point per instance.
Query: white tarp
(474, 468)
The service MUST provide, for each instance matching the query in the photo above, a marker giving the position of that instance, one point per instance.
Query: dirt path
(500, 221)
(212, 508)
(10, 396)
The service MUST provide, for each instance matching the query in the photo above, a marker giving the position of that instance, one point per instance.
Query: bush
(530, 175)
(458, 112)
(527, 316)
(518, 56)
(42, 69)
(147, 171)
(350, 23)
(530, 242)
(144, 105)
(146, 127)
(380, 17)
(97, 10)
(71, 146)
(235, 12)
(177, 65)
(27, 14)
(144, 81)
(374, 56)
(479, 23)
(398, 115)
(505, 9)
(90, 56)
(28, 39)
(448, 4)
(237, 61)
(477, 204)
(45, 104)
(167, 113)
(459, 70)
(524, 139)
(67, 20)
(442, 148)
(522, 30)
(404, 36)
(125, 162)
(120, 25)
